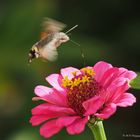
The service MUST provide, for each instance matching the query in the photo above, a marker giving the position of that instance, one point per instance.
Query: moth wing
(51, 26)
(43, 35)
(50, 52)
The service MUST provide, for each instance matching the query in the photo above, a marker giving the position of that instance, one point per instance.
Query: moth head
(33, 53)
(62, 37)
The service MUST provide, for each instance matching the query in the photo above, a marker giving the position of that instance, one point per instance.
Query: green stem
(98, 130)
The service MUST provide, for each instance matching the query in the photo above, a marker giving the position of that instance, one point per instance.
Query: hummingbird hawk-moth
(51, 39)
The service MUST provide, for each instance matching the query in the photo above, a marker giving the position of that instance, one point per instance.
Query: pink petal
(126, 99)
(109, 76)
(114, 92)
(127, 74)
(49, 109)
(119, 82)
(107, 111)
(54, 80)
(69, 72)
(37, 98)
(100, 68)
(51, 95)
(41, 91)
(77, 126)
(92, 105)
(36, 120)
(49, 129)
(66, 120)
(62, 121)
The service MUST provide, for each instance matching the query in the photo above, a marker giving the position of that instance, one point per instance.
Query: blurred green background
(108, 30)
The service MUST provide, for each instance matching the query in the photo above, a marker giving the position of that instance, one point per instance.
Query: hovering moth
(51, 38)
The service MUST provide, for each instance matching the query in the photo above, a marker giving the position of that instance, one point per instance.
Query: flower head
(77, 96)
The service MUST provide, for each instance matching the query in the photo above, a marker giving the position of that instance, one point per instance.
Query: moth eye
(63, 37)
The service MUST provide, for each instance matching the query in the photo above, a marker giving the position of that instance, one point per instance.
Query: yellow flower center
(88, 73)
(81, 88)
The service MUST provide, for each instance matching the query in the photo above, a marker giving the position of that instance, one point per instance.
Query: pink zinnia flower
(79, 95)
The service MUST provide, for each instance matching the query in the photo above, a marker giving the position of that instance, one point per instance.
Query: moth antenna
(71, 29)
(81, 50)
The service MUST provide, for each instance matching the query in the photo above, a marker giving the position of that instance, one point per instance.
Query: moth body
(51, 39)
(47, 47)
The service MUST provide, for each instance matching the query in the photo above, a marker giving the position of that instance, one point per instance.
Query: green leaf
(136, 82)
